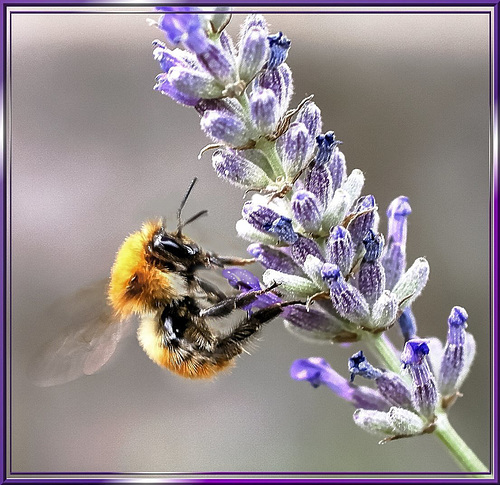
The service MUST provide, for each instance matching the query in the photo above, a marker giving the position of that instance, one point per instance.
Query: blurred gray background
(96, 151)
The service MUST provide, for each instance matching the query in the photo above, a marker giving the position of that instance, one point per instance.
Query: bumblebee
(155, 276)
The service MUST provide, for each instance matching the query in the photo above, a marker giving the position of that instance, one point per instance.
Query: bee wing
(83, 347)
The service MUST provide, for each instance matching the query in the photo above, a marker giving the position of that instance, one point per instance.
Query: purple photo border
(232, 477)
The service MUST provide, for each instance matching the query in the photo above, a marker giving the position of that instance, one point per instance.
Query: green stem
(269, 149)
(383, 348)
(464, 456)
(457, 447)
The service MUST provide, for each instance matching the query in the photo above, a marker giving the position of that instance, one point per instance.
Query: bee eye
(165, 244)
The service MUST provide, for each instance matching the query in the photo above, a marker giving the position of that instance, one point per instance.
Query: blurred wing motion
(83, 347)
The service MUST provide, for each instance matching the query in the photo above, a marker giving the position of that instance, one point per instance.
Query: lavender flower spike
(318, 372)
(346, 299)
(414, 359)
(454, 357)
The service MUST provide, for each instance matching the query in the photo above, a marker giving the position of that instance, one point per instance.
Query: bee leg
(222, 261)
(226, 306)
(212, 292)
(232, 345)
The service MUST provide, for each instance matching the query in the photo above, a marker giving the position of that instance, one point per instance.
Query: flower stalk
(313, 231)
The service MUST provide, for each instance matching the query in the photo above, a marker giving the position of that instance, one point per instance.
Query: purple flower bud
(337, 168)
(224, 127)
(453, 357)
(266, 220)
(190, 82)
(398, 211)
(279, 46)
(306, 210)
(275, 259)
(304, 247)
(346, 299)
(311, 324)
(216, 62)
(293, 148)
(394, 262)
(326, 144)
(339, 249)
(228, 164)
(361, 224)
(165, 87)
(280, 81)
(407, 324)
(319, 182)
(310, 116)
(391, 386)
(394, 258)
(424, 392)
(263, 110)
(371, 278)
(254, 50)
(318, 372)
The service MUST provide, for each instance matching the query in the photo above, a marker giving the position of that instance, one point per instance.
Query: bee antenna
(193, 218)
(180, 225)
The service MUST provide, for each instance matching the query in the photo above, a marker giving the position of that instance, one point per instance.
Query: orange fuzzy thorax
(136, 285)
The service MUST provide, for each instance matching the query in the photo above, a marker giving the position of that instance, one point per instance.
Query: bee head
(172, 247)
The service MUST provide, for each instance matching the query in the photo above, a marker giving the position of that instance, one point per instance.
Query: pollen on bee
(136, 284)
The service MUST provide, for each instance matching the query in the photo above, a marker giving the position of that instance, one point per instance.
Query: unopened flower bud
(353, 185)
(337, 168)
(346, 299)
(412, 283)
(230, 165)
(384, 311)
(254, 51)
(452, 364)
(263, 110)
(339, 249)
(306, 210)
(293, 148)
(225, 127)
(424, 392)
(364, 219)
(291, 286)
(275, 259)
